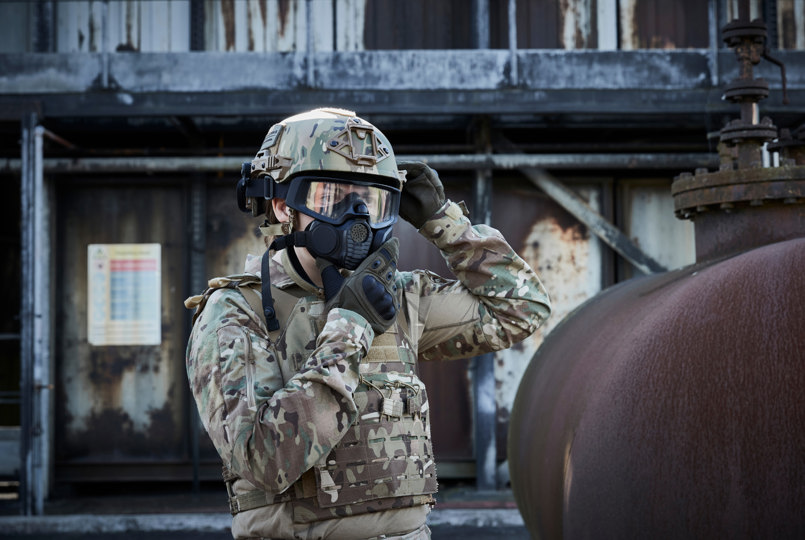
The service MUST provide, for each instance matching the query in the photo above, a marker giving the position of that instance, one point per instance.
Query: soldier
(306, 380)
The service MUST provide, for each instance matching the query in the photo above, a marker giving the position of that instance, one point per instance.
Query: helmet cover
(326, 140)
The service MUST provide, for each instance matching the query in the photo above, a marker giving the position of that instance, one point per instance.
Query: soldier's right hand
(371, 290)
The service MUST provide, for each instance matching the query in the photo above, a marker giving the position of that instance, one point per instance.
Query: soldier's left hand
(422, 194)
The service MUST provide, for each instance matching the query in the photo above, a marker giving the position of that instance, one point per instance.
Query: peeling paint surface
(269, 25)
(131, 26)
(651, 224)
(576, 24)
(658, 24)
(791, 24)
(282, 25)
(568, 260)
(628, 25)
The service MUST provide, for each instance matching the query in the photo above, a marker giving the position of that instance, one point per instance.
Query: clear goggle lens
(332, 199)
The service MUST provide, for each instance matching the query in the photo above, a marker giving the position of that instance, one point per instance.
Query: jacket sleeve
(496, 302)
(266, 432)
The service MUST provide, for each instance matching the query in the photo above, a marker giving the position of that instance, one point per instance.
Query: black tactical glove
(422, 194)
(370, 290)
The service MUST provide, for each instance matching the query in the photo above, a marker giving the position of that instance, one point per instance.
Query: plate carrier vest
(385, 459)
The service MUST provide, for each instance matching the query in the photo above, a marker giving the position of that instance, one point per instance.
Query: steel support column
(513, 72)
(45, 28)
(197, 283)
(35, 385)
(480, 12)
(483, 366)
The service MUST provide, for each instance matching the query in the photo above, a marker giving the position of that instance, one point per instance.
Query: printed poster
(124, 306)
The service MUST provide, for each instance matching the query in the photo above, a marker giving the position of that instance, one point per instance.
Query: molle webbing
(385, 459)
(303, 493)
(386, 453)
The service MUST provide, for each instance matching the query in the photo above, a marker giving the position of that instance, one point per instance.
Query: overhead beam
(456, 69)
(511, 161)
(442, 82)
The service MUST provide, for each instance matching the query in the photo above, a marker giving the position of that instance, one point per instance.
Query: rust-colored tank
(673, 405)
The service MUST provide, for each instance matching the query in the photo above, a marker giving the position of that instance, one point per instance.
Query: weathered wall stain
(118, 403)
(228, 17)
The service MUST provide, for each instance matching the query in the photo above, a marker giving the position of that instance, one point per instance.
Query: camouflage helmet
(326, 139)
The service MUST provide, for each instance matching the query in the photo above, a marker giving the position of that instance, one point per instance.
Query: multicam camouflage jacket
(322, 414)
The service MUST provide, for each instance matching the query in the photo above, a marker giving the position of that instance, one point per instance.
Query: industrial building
(124, 125)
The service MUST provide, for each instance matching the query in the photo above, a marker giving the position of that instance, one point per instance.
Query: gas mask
(352, 216)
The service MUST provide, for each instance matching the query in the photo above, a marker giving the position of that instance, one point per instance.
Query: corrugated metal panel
(349, 24)
(791, 24)
(269, 25)
(755, 9)
(567, 258)
(131, 25)
(118, 405)
(15, 23)
(556, 24)
(417, 24)
(658, 24)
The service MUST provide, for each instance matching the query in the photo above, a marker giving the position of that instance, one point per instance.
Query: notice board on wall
(124, 304)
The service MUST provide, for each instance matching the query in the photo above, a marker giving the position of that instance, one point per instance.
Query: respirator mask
(353, 215)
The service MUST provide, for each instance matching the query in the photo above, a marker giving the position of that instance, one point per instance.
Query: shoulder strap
(251, 296)
(262, 304)
(269, 314)
(200, 300)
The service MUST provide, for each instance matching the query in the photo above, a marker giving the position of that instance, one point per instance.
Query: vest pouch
(381, 456)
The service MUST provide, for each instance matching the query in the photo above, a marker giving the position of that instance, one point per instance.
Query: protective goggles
(331, 200)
